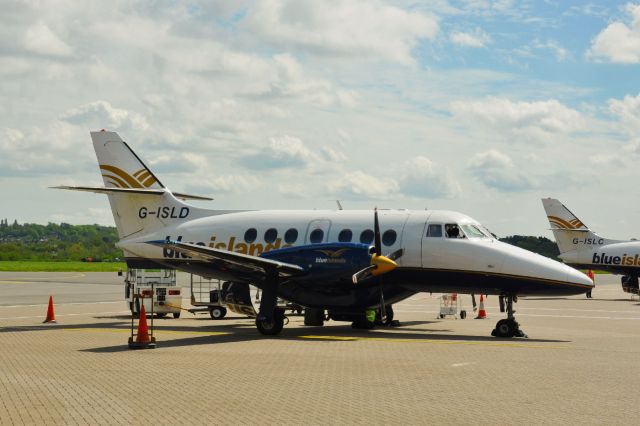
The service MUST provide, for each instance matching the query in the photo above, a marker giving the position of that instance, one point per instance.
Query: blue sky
(477, 106)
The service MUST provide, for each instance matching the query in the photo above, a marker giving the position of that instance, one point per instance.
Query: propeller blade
(363, 274)
(376, 231)
(473, 301)
(396, 254)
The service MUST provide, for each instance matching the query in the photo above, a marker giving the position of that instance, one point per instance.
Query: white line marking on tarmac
(71, 315)
(535, 315)
(61, 304)
(463, 364)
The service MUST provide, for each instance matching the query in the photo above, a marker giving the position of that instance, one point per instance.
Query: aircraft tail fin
(140, 203)
(569, 231)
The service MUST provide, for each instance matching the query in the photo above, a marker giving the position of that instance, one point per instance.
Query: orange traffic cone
(143, 340)
(482, 314)
(51, 316)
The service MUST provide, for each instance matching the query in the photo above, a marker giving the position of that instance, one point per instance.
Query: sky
(482, 107)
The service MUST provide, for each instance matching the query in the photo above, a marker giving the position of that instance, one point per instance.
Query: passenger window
(389, 237)
(345, 236)
(271, 235)
(251, 235)
(316, 236)
(453, 231)
(366, 237)
(291, 236)
(434, 231)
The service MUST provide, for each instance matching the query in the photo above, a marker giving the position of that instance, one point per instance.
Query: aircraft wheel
(389, 318)
(505, 328)
(362, 324)
(463, 314)
(161, 314)
(217, 312)
(273, 327)
(314, 317)
(176, 315)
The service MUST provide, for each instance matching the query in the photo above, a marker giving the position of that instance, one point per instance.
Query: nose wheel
(508, 327)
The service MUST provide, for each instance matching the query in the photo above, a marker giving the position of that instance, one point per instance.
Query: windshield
(471, 231)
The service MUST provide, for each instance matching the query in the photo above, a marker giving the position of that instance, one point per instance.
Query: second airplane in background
(582, 248)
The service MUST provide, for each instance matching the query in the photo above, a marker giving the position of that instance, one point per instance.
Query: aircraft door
(433, 245)
(318, 231)
(412, 240)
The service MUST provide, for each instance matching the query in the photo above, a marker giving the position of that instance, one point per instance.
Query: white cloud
(283, 152)
(360, 185)
(39, 151)
(178, 162)
(627, 111)
(343, 28)
(559, 52)
(496, 170)
(619, 42)
(529, 121)
(424, 178)
(41, 40)
(228, 184)
(101, 114)
(333, 155)
(477, 39)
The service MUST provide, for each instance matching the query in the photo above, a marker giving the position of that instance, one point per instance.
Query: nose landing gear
(508, 327)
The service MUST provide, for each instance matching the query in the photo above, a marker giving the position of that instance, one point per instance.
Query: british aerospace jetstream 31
(344, 262)
(582, 248)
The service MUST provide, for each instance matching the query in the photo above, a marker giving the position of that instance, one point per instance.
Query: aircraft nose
(547, 276)
(576, 277)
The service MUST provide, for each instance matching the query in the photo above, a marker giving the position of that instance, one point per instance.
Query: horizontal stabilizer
(147, 191)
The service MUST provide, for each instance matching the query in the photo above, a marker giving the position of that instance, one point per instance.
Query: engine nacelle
(338, 261)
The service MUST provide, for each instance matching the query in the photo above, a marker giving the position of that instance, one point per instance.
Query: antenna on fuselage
(339, 205)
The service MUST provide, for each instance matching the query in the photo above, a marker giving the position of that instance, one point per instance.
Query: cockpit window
(452, 230)
(434, 231)
(472, 231)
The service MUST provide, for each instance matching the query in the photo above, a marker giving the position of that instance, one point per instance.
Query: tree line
(61, 242)
(30, 241)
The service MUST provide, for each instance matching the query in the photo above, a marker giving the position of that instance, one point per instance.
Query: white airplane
(324, 260)
(582, 248)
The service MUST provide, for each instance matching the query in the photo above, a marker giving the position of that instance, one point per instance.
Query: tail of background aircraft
(569, 231)
(140, 203)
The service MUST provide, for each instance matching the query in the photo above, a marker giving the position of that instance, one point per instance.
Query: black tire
(161, 314)
(389, 318)
(273, 327)
(441, 316)
(505, 328)
(217, 312)
(313, 317)
(176, 315)
(363, 324)
(463, 314)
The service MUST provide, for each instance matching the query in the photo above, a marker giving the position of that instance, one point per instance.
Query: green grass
(35, 266)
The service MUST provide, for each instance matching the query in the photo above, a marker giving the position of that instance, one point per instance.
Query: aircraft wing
(242, 264)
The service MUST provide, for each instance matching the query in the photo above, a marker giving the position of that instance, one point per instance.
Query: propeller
(379, 264)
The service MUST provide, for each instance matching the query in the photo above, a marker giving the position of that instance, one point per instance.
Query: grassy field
(33, 266)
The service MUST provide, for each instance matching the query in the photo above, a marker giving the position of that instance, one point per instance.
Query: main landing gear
(270, 319)
(508, 327)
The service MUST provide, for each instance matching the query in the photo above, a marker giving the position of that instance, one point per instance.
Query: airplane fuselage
(620, 257)
(432, 262)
